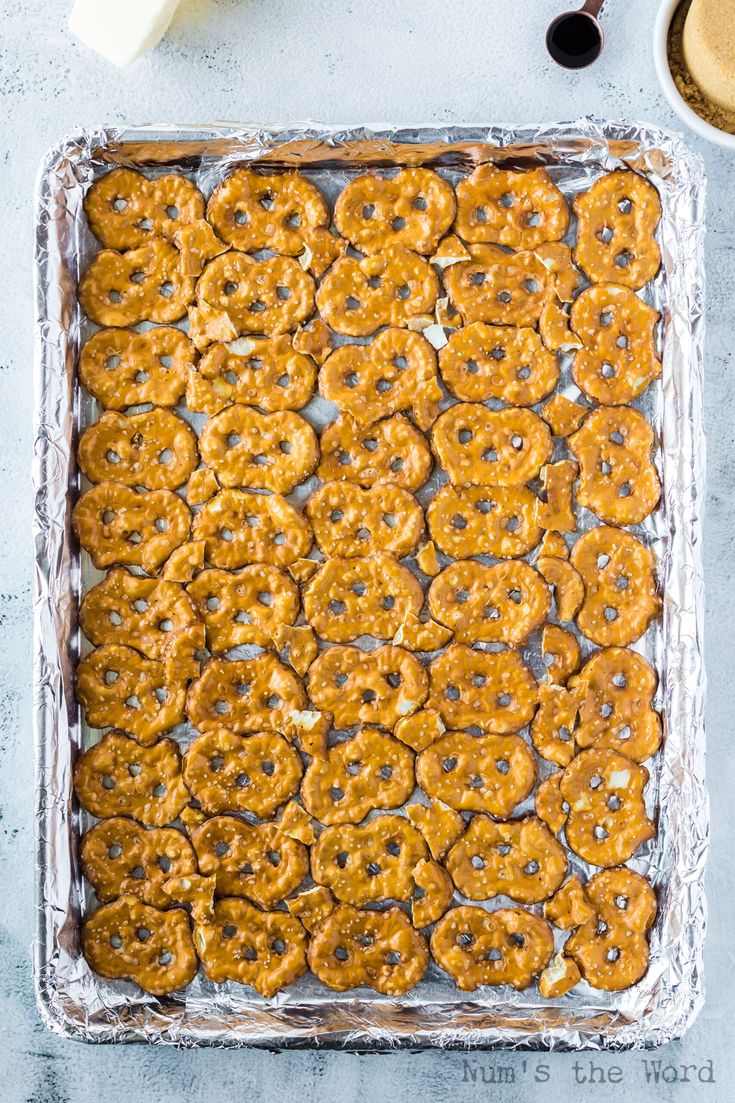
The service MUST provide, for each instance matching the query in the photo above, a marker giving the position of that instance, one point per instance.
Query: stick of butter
(121, 30)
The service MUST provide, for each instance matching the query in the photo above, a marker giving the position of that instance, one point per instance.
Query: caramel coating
(561, 653)
(142, 285)
(419, 730)
(245, 606)
(130, 940)
(620, 586)
(607, 819)
(371, 862)
(484, 520)
(477, 773)
(145, 613)
(349, 598)
(516, 209)
(119, 777)
(184, 562)
(611, 948)
(119, 688)
(413, 209)
(616, 222)
(436, 889)
(246, 694)
(566, 582)
(155, 449)
(562, 415)
(311, 906)
(367, 687)
(550, 805)
(618, 481)
(268, 297)
(553, 726)
(481, 447)
(476, 947)
(556, 257)
(422, 635)
(569, 907)
(125, 209)
(501, 289)
(117, 525)
(240, 528)
(356, 297)
(439, 824)
(258, 371)
(252, 860)
(368, 382)
(253, 211)
(502, 362)
(380, 949)
(519, 858)
(349, 521)
(370, 770)
(389, 451)
(119, 856)
(266, 950)
(300, 644)
(228, 772)
(120, 367)
(499, 604)
(493, 690)
(197, 243)
(246, 448)
(617, 360)
(559, 977)
(617, 687)
(556, 514)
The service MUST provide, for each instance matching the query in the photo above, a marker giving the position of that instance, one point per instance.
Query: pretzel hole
(602, 561)
(404, 291)
(257, 306)
(607, 370)
(398, 223)
(393, 958)
(114, 296)
(388, 602)
(394, 680)
(368, 210)
(605, 235)
(461, 596)
(518, 940)
(504, 296)
(134, 769)
(273, 701)
(344, 459)
(393, 848)
(611, 613)
(353, 768)
(229, 931)
(479, 680)
(614, 803)
(283, 293)
(241, 218)
(625, 205)
(623, 259)
(625, 491)
(119, 203)
(337, 607)
(419, 203)
(504, 849)
(341, 954)
(600, 833)
(512, 524)
(493, 955)
(279, 539)
(459, 522)
(242, 781)
(563, 734)
(606, 317)
(490, 455)
(622, 341)
(159, 790)
(351, 303)
(336, 794)
(448, 764)
(601, 928)
(386, 772)
(515, 596)
(145, 224)
(221, 848)
(605, 468)
(491, 612)
(533, 218)
(166, 289)
(250, 953)
(266, 200)
(616, 437)
(504, 700)
(485, 506)
(110, 677)
(624, 732)
(115, 941)
(480, 214)
(502, 766)
(278, 946)
(396, 465)
(612, 954)
(141, 377)
(464, 435)
(138, 873)
(373, 869)
(142, 934)
(477, 279)
(221, 707)
(471, 367)
(524, 373)
(108, 782)
(531, 286)
(368, 696)
(384, 385)
(165, 625)
(132, 702)
(293, 220)
(621, 902)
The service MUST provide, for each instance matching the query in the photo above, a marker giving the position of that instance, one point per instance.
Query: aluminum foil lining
(72, 999)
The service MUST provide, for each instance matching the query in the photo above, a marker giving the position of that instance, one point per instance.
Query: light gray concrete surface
(404, 61)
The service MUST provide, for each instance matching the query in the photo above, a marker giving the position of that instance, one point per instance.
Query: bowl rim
(706, 130)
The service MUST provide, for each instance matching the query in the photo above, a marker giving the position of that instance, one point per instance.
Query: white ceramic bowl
(661, 60)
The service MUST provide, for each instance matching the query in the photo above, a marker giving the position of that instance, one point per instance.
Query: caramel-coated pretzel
(125, 209)
(481, 447)
(245, 606)
(390, 374)
(119, 777)
(618, 686)
(477, 773)
(228, 772)
(121, 367)
(561, 653)
(440, 825)
(518, 858)
(501, 289)
(616, 222)
(389, 451)
(145, 613)
(550, 805)
(611, 948)
(370, 770)
(419, 729)
(477, 947)
(119, 688)
(349, 598)
(569, 906)
(493, 690)
(266, 950)
(117, 525)
(155, 449)
(620, 586)
(618, 481)
(130, 940)
(502, 362)
(607, 820)
(142, 285)
(247, 695)
(617, 360)
(348, 520)
(356, 297)
(435, 891)
(246, 448)
(252, 211)
(240, 528)
(517, 209)
(413, 209)
(119, 856)
(312, 906)
(553, 727)
(371, 862)
(484, 520)
(562, 415)
(253, 860)
(258, 371)
(503, 603)
(367, 687)
(380, 949)
(269, 297)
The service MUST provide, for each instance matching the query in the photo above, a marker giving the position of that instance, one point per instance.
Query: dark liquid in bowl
(574, 40)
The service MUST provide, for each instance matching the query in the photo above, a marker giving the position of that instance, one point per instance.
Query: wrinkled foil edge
(671, 994)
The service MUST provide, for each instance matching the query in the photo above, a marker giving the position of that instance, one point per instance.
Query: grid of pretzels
(351, 721)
